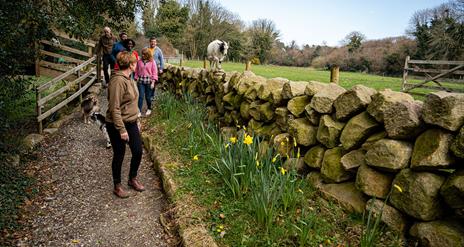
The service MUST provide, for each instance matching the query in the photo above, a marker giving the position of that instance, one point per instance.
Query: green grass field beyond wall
(347, 79)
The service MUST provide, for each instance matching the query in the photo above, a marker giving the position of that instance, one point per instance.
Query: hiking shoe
(136, 185)
(148, 112)
(119, 191)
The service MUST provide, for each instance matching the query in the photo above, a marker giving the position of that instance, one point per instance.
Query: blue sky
(314, 21)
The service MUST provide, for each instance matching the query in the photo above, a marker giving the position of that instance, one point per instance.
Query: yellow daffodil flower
(257, 163)
(275, 158)
(226, 145)
(247, 140)
(233, 139)
(196, 157)
(282, 170)
(398, 188)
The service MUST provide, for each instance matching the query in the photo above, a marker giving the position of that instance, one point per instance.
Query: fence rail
(82, 74)
(438, 72)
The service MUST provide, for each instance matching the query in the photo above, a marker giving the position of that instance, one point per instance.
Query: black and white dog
(99, 119)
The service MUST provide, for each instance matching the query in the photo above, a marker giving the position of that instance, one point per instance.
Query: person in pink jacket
(146, 76)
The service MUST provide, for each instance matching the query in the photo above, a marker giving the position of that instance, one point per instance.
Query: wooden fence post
(181, 59)
(335, 74)
(98, 69)
(38, 108)
(247, 65)
(204, 63)
(405, 73)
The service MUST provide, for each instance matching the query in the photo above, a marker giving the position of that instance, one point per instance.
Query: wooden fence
(445, 75)
(78, 74)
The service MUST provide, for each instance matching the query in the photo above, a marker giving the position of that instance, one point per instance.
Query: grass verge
(243, 196)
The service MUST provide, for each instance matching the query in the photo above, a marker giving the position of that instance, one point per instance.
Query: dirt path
(75, 205)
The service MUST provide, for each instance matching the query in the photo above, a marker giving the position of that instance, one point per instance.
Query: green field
(347, 79)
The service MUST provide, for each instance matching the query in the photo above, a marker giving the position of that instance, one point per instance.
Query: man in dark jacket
(105, 46)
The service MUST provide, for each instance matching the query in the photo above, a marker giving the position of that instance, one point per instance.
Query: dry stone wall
(355, 145)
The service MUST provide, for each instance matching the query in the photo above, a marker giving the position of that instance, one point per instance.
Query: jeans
(119, 150)
(107, 61)
(146, 92)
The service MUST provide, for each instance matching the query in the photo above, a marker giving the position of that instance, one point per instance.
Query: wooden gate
(75, 68)
(445, 75)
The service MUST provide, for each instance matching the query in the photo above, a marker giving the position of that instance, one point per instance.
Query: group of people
(125, 99)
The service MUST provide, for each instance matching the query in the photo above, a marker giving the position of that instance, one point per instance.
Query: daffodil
(398, 188)
(298, 154)
(257, 163)
(244, 128)
(299, 190)
(247, 140)
(196, 157)
(275, 158)
(226, 145)
(282, 170)
(233, 139)
(294, 141)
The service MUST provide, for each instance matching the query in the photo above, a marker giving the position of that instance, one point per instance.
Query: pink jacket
(148, 69)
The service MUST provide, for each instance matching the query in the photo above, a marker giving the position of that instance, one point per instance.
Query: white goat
(216, 52)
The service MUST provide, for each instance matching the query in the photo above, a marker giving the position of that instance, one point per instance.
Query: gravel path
(75, 205)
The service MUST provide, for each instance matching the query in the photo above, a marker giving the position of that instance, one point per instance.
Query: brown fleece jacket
(122, 101)
(105, 44)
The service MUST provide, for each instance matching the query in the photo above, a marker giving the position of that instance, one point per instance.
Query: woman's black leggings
(119, 150)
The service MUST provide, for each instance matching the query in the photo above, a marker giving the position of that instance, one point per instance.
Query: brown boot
(119, 192)
(136, 185)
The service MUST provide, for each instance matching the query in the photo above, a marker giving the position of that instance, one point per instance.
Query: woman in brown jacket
(122, 122)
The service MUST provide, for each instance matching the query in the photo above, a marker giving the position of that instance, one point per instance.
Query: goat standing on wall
(216, 52)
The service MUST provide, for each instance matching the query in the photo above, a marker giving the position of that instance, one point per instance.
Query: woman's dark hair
(126, 42)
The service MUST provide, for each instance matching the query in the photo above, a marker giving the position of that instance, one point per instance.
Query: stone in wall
(268, 130)
(293, 88)
(254, 125)
(372, 182)
(227, 132)
(312, 115)
(373, 139)
(390, 215)
(303, 131)
(329, 131)
(384, 100)
(283, 144)
(282, 116)
(252, 92)
(403, 119)
(453, 190)
(419, 196)
(323, 101)
(314, 156)
(297, 105)
(353, 101)
(231, 117)
(247, 80)
(245, 110)
(444, 109)
(272, 86)
(431, 150)
(389, 155)
(457, 146)
(353, 159)
(332, 170)
(314, 87)
(438, 233)
(297, 164)
(276, 98)
(346, 195)
(357, 130)
(232, 99)
(261, 111)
